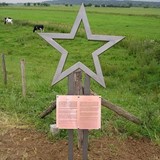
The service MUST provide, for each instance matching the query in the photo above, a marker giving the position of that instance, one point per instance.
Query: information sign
(78, 112)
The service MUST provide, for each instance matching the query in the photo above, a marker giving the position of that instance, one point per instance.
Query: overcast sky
(20, 1)
(24, 1)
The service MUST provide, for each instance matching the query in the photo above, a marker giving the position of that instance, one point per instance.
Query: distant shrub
(103, 5)
(3, 4)
(146, 6)
(97, 5)
(88, 5)
(45, 4)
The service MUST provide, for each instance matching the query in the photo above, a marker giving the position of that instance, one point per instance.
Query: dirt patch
(28, 144)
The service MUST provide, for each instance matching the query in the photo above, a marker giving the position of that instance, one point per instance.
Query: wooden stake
(48, 110)
(23, 78)
(121, 112)
(4, 69)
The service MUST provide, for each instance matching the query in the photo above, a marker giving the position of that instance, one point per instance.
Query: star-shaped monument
(110, 41)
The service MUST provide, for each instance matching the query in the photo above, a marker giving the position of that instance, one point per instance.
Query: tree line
(107, 3)
(36, 4)
(95, 3)
(4, 4)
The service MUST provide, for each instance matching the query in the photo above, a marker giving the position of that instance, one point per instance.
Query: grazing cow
(38, 27)
(8, 20)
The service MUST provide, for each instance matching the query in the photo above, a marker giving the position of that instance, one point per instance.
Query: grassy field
(131, 69)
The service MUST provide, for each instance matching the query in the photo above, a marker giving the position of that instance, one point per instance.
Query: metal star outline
(110, 41)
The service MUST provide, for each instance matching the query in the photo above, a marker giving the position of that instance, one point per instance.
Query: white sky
(20, 1)
(24, 1)
(148, 0)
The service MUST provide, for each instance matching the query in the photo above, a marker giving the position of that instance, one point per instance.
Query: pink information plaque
(83, 112)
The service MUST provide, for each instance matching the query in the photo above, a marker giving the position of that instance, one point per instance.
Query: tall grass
(131, 68)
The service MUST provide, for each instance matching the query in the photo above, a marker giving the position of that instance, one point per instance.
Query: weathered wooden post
(4, 71)
(75, 87)
(70, 131)
(78, 110)
(78, 90)
(23, 77)
(85, 132)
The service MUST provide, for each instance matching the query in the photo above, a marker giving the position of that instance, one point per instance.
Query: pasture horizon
(114, 18)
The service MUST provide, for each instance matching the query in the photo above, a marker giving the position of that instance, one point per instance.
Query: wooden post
(85, 131)
(4, 69)
(79, 91)
(70, 131)
(74, 88)
(23, 78)
(70, 144)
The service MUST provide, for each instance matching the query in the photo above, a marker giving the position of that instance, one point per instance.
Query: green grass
(131, 68)
(128, 22)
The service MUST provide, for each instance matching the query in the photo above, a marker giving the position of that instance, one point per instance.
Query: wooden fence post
(23, 77)
(4, 69)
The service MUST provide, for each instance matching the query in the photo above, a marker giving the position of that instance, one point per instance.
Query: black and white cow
(8, 20)
(38, 27)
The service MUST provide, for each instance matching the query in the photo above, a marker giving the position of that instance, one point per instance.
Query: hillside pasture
(131, 68)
